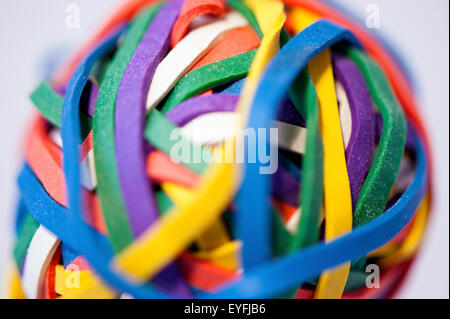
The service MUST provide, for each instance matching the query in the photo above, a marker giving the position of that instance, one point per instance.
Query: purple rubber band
(130, 117)
(362, 139)
(285, 187)
(196, 106)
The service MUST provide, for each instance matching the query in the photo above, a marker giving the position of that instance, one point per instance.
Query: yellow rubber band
(226, 256)
(15, 290)
(80, 285)
(337, 196)
(214, 244)
(412, 242)
(169, 235)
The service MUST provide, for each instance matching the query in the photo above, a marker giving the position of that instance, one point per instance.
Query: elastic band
(232, 43)
(161, 168)
(108, 189)
(396, 78)
(45, 159)
(26, 232)
(358, 153)
(179, 60)
(192, 9)
(255, 189)
(14, 286)
(381, 177)
(39, 254)
(87, 242)
(209, 76)
(121, 15)
(271, 17)
(336, 184)
(51, 215)
(49, 284)
(49, 103)
(130, 119)
(129, 141)
(412, 241)
(241, 7)
(345, 113)
(286, 272)
(380, 37)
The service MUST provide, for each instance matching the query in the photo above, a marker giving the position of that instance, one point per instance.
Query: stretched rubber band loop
(97, 257)
(181, 59)
(396, 78)
(108, 187)
(209, 76)
(121, 15)
(381, 177)
(278, 276)
(232, 43)
(130, 116)
(362, 139)
(192, 9)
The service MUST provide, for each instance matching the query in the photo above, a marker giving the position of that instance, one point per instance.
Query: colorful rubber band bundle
(108, 211)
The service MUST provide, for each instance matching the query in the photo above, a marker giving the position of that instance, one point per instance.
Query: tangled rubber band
(230, 149)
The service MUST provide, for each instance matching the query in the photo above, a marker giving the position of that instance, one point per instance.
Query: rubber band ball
(223, 149)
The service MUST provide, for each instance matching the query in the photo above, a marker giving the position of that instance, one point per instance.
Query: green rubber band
(49, 103)
(163, 201)
(208, 77)
(245, 11)
(381, 177)
(158, 127)
(108, 187)
(281, 236)
(158, 130)
(27, 230)
(304, 97)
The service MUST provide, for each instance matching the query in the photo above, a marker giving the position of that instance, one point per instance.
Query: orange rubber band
(192, 9)
(203, 274)
(233, 42)
(161, 169)
(49, 287)
(45, 160)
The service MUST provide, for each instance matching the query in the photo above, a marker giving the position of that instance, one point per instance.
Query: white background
(32, 32)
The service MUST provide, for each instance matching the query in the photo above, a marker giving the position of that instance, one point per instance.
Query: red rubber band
(162, 169)
(49, 286)
(204, 275)
(192, 9)
(45, 160)
(233, 42)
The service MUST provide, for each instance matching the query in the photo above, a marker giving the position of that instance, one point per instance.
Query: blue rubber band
(52, 215)
(254, 219)
(70, 133)
(393, 52)
(289, 272)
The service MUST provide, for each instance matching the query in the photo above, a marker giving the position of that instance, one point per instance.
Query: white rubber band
(345, 113)
(186, 53)
(213, 128)
(39, 255)
(88, 176)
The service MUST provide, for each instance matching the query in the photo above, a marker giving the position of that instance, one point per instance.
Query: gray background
(32, 32)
